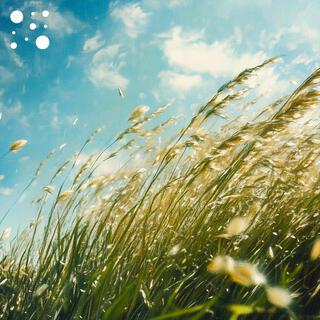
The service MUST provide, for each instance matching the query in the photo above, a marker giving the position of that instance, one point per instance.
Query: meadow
(216, 222)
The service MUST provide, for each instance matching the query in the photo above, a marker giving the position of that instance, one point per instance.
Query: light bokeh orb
(45, 13)
(42, 42)
(16, 16)
(33, 26)
(13, 45)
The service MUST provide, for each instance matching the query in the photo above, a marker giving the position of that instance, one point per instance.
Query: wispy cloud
(303, 59)
(132, 16)
(269, 84)
(105, 68)
(55, 117)
(190, 52)
(12, 55)
(60, 22)
(300, 34)
(105, 167)
(50, 111)
(6, 75)
(94, 43)
(176, 3)
(10, 110)
(6, 191)
(168, 3)
(300, 39)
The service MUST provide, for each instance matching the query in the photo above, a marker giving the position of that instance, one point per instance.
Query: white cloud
(6, 75)
(61, 23)
(94, 43)
(6, 191)
(108, 167)
(301, 39)
(167, 3)
(105, 68)
(72, 120)
(269, 84)
(302, 35)
(106, 53)
(142, 95)
(299, 35)
(107, 78)
(237, 36)
(132, 16)
(179, 83)
(51, 113)
(11, 111)
(176, 3)
(123, 162)
(25, 158)
(302, 59)
(190, 52)
(13, 56)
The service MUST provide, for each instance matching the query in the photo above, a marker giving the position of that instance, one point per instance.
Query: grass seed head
(279, 297)
(18, 145)
(247, 275)
(138, 112)
(315, 251)
(65, 195)
(237, 225)
(174, 250)
(6, 234)
(40, 290)
(221, 264)
(49, 189)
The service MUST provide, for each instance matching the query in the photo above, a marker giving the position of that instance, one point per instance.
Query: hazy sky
(154, 50)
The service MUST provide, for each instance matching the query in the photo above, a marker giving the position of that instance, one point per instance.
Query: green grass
(136, 243)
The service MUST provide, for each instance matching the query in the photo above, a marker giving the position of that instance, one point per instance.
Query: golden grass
(213, 224)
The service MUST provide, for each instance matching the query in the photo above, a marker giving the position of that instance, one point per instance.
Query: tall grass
(204, 227)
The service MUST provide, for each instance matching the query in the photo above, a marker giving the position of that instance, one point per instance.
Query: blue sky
(153, 50)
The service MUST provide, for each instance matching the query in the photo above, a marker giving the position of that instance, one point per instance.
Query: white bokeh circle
(13, 32)
(26, 39)
(33, 26)
(13, 45)
(45, 13)
(42, 42)
(16, 16)
(45, 26)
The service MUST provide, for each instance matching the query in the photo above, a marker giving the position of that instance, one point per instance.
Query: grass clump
(213, 224)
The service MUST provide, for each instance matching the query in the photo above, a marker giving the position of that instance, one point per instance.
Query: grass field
(218, 222)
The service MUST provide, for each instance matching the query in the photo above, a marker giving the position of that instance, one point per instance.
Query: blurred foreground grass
(212, 224)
